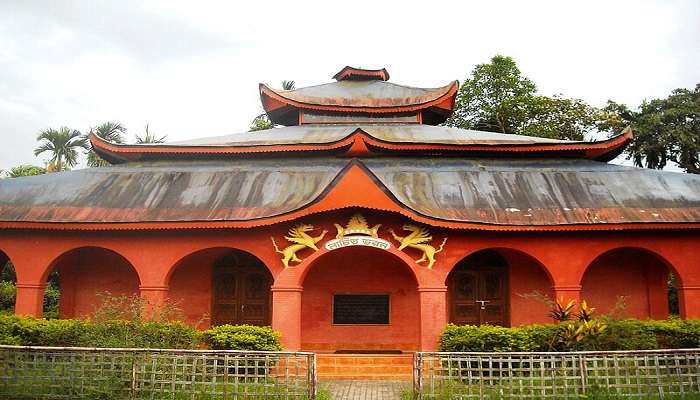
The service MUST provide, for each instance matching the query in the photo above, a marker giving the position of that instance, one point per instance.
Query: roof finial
(359, 74)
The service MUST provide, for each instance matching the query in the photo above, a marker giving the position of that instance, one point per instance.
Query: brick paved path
(365, 390)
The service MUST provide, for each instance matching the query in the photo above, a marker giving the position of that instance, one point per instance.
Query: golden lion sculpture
(418, 239)
(301, 240)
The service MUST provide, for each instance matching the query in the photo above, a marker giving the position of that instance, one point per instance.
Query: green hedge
(245, 337)
(27, 331)
(618, 335)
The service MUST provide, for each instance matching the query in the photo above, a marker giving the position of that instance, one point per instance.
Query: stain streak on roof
(514, 192)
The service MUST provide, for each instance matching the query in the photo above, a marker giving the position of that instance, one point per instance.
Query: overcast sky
(191, 68)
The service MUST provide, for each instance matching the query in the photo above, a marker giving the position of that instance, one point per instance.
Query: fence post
(312, 376)
(582, 371)
(133, 376)
(417, 375)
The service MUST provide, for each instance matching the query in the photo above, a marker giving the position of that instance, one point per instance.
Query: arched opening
(499, 287)
(8, 279)
(222, 286)
(360, 298)
(628, 282)
(81, 275)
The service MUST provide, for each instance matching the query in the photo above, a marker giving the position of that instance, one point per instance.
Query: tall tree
(150, 138)
(665, 130)
(262, 121)
(111, 131)
(498, 98)
(62, 144)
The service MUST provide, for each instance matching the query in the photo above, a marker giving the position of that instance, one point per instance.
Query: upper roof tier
(362, 115)
(369, 140)
(362, 93)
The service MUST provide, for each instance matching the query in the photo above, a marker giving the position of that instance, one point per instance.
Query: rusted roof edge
(115, 153)
(449, 90)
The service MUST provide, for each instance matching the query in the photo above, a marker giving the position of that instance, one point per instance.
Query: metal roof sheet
(158, 191)
(368, 93)
(540, 192)
(404, 133)
(519, 192)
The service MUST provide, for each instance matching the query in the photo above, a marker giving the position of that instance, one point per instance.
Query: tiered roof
(358, 142)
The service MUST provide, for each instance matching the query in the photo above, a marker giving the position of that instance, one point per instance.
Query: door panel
(255, 298)
(478, 291)
(241, 292)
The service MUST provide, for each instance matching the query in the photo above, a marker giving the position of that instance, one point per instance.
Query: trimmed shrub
(27, 331)
(629, 334)
(8, 335)
(243, 337)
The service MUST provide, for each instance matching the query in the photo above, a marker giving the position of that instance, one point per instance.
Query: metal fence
(628, 374)
(90, 373)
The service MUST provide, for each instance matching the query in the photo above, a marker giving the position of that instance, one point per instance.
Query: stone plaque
(361, 309)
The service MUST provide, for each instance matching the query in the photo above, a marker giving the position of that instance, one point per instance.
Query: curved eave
(605, 150)
(343, 193)
(276, 103)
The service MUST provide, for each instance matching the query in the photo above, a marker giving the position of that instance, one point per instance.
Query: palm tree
(63, 145)
(288, 85)
(111, 131)
(149, 138)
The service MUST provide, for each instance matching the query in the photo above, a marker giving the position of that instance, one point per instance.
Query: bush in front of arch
(626, 334)
(243, 337)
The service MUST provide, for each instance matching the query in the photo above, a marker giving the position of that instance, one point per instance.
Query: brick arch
(637, 273)
(360, 270)
(190, 282)
(293, 276)
(86, 271)
(4, 259)
(526, 278)
(214, 250)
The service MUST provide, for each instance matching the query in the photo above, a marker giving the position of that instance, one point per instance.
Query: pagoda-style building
(361, 224)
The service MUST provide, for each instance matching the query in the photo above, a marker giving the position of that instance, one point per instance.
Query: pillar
(286, 315)
(433, 316)
(154, 298)
(30, 299)
(689, 301)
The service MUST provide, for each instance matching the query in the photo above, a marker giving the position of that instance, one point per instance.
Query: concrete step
(364, 367)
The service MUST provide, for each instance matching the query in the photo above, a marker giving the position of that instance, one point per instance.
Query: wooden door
(478, 292)
(241, 294)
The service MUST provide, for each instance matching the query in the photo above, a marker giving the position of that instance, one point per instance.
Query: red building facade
(361, 224)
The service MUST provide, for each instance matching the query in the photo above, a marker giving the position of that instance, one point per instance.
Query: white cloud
(191, 69)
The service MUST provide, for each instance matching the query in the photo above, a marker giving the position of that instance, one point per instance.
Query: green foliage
(260, 123)
(665, 130)
(484, 338)
(243, 337)
(497, 97)
(149, 137)
(52, 297)
(629, 334)
(111, 131)
(29, 331)
(62, 145)
(25, 170)
(8, 293)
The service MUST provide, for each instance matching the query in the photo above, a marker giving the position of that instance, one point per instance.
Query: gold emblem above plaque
(357, 225)
(300, 240)
(418, 239)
